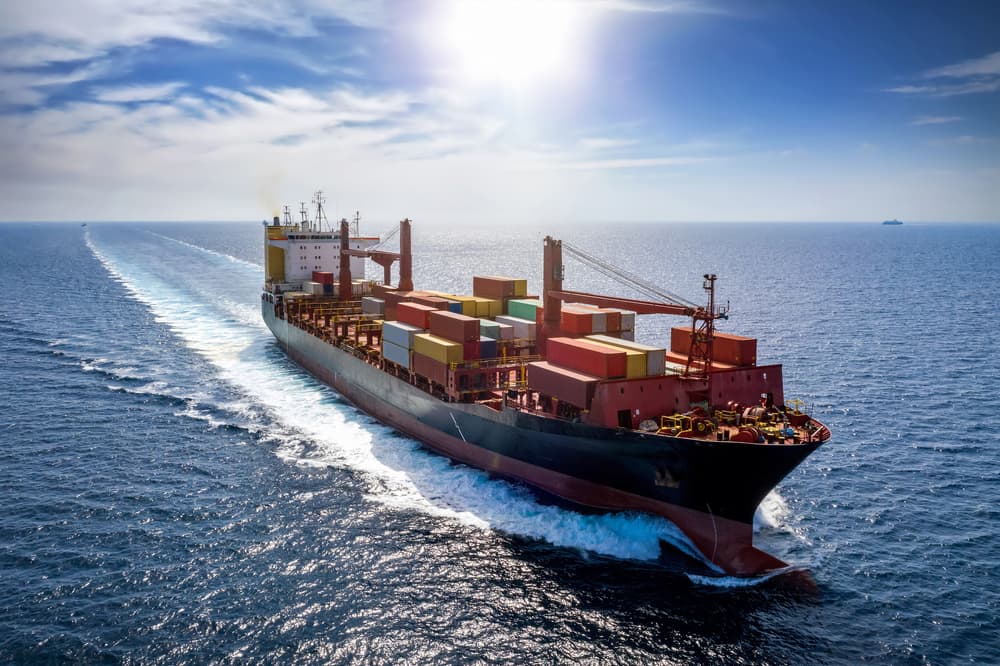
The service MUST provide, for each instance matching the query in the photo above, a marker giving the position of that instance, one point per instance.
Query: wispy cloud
(935, 120)
(978, 75)
(605, 143)
(963, 140)
(147, 93)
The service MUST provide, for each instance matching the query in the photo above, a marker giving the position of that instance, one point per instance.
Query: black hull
(709, 489)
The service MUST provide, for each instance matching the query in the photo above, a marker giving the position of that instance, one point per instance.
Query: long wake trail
(217, 317)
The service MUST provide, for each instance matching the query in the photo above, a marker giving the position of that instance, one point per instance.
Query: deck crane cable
(386, 237)
(624, 277)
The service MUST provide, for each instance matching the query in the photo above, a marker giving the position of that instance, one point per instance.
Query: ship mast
(319, 200)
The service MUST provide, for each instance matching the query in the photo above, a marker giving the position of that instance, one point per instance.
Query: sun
(519, 44)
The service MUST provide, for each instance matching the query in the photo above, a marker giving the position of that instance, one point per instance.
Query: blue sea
(174, 490)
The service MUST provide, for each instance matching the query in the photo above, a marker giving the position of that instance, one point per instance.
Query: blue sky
(452, 112)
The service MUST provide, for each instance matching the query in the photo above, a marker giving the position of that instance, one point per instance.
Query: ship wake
(216, 317)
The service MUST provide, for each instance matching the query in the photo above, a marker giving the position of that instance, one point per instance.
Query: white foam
(737, 582)
(315, 428)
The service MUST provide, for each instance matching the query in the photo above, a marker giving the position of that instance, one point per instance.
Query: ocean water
(175, 490)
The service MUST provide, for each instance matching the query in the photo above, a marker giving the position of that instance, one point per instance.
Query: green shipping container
(523, 309)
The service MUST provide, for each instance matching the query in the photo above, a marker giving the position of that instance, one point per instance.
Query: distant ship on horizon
(892, 222)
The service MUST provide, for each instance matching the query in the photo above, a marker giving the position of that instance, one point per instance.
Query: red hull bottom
(726, 543)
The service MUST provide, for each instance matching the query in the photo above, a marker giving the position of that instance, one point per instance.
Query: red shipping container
(470, 350)
(496, 288)
(414, 314)
(614, 320)
(430, 369)
(587, 357)
(726, 348)
(455, 327)
(323, 277)
(432, 301)
(573, 387)
(576, 321)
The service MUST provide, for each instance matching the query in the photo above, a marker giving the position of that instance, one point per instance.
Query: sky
(462, 112)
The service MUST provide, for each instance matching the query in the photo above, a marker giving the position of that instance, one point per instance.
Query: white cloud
(604, 143)
(978, 75)
(935, 120)
(147, 93)
(36, 34)
(986, 66)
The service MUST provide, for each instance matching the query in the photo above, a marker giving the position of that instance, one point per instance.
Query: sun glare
(517, 43)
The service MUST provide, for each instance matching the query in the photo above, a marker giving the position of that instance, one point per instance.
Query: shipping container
(523, 308)
(506, 331)
(575, 388)
(435, 302)
(497, 288)
(439, 349)
(523, 328)
(469, 305)
(488, 307)
(454, 327)
(372, 305)
(727, 348)
(414, 314)
(399, 333)
(489, 329)
(576, 320)
(587, 357)
(470, 350)
(323, 277)
(398, 355)
(429, 368)
(312, 288)
(487, 347)
(635, 361)
(613, 319)
(655, 356)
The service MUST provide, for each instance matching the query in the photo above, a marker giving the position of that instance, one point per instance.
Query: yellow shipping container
(469, 304)
(487, 307)
(520, 288)
(439, 349)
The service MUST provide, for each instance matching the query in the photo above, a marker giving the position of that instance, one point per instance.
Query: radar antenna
(305, 214)
(319, 200)
(287, 211)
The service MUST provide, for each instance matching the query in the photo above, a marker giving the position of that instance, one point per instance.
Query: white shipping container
(506, 331)
(372, 305)
(314, 288)
(522, 327)
(599, 322)
(656, 357)
(399, 334)
(396, 354)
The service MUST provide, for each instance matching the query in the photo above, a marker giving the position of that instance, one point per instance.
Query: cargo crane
(699, 360)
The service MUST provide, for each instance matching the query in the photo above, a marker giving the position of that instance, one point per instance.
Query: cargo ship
(548, 389)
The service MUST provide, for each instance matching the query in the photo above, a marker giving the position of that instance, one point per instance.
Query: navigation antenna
(357, 223)
(305, 214)
(288, 215)
(319, 200)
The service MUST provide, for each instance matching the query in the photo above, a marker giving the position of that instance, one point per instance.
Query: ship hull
(709, 489)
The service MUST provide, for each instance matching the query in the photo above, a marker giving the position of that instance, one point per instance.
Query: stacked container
(414, 314)
(522, 328)
(524, 308)
(373, 306)
(575, 388)
(726, 348)
(587, 357)
(397, 342)
(655, 357)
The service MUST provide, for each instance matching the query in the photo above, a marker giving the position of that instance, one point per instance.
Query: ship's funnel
(276, 221)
